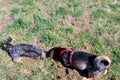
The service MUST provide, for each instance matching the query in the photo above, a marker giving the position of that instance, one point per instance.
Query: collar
(71, 54)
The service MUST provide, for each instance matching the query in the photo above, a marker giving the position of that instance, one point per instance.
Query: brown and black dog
(88, 65)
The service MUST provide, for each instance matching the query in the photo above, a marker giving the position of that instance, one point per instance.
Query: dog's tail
(8, 42)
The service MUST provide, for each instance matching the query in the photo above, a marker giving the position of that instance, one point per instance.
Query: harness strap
(71, 54)
(70, 58)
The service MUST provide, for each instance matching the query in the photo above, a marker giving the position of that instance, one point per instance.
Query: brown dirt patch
(82, 23)
(66, 73)
(5, 18)
(38, 43)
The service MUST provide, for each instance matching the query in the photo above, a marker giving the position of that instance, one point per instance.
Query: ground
(92, 26)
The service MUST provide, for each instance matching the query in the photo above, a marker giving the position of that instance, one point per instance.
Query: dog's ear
(8, 41)
(50, 53)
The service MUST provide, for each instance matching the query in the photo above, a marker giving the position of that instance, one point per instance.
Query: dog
(18, 51)
(88, 65)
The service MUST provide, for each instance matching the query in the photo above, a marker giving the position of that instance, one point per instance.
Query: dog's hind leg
(15, 57)
(18, 60)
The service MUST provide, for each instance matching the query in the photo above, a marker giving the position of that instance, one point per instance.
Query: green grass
(92, 25)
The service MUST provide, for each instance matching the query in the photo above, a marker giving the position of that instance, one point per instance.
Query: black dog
(88, 65)
(23, 50)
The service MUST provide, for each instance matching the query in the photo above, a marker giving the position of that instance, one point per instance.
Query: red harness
(71, 54)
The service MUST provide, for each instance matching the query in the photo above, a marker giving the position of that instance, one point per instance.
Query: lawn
(88, 25)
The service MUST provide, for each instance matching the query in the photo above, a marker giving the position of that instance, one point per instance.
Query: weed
(42, 23)
(21, 23)
(62, 11)
(50, 38)
(99, 13)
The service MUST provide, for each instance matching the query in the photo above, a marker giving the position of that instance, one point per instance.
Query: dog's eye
(105, 62)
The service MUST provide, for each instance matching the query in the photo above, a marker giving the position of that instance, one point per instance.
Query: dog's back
(83, 56)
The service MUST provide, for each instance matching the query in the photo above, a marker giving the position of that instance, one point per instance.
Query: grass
(90, 25)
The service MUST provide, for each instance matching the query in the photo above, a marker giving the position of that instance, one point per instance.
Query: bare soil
(5, 15)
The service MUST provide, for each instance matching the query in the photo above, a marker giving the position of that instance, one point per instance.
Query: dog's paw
(18, 60)
(84, 78)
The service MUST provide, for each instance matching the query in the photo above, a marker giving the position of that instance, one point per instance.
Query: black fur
(85, 63)
(22, 50)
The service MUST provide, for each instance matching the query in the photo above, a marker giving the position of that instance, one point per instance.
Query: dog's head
(54, 52)
(101, 63)
(6, 45)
